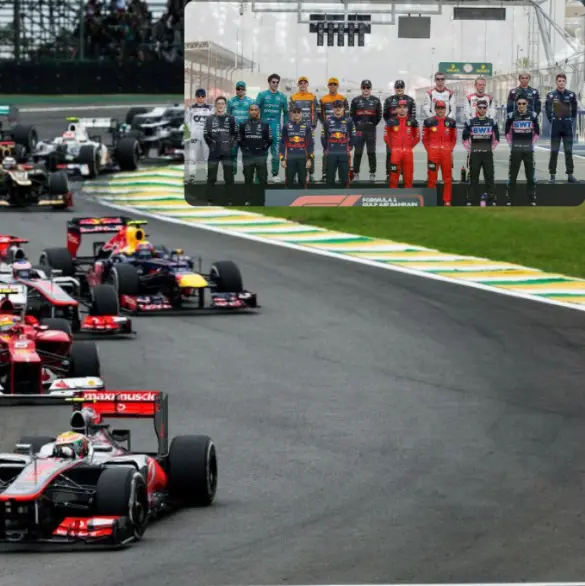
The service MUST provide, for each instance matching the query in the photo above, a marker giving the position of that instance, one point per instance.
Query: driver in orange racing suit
(439, 140)
(401, 134)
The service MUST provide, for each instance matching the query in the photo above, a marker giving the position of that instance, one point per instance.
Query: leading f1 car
(146, 278)
(88, 485)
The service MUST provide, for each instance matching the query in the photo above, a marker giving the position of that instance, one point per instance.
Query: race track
(371, 427)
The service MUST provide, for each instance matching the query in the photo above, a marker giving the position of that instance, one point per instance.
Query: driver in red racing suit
(439, 140)
(401, 135)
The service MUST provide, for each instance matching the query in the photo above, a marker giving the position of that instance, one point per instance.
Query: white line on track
(361, 261)
(73, 108)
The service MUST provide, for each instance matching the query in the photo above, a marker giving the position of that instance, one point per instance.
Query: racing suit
(470, 106)
(561, 111)
(196, 151)
(480, 137)
(439, 140)
(255, 138)
(309, 106)
(220, 133)
(532, 97)
(337, 137)
(434, 95)
(274, 110)
(366, 113)
(389, 110)
(325, 111)
(401, 135)
(239, 108)
(522, 131)
(296, 147)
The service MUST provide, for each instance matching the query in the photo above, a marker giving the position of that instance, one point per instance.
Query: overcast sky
(280, 44)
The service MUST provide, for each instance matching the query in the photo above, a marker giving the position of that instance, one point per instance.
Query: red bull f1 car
(88, 486)
(146, 278)
(51, 295)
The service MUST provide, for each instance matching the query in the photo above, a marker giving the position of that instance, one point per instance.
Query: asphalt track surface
(371, 427)
(501, 161)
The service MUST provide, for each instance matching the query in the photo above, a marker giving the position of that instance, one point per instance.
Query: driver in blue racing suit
(274, 110)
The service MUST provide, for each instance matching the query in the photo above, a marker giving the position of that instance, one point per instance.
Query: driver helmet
(144, 250)
(9, 163)
(22, 270)
(7, 322)
(71, 445)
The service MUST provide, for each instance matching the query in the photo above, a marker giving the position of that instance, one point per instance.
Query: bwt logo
(481, 130)
(523, 124)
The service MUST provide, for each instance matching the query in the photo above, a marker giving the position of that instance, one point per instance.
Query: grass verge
(551, 239)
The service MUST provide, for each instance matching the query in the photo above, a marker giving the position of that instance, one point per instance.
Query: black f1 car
(147, 278)
(88, 486)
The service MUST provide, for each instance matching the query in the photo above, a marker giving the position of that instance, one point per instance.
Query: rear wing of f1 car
(101, 225)
(94, 122)
(9, 112)
(135, 404)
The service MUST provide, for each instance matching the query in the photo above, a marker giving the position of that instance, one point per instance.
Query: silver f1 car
(51, 297)
(79, 152)
(160, 129)
(88, 486)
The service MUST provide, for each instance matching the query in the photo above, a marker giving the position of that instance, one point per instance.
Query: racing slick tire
(36, 442)
(20, 154)
(192, 470)
(133, 112)
(227, 276)
(121, 492)
(125, 280)
(58, 183)
(127, 154)
(58, 324)
(104, 301)
(27, 136)
(59, 259)
(84, 360)
(90, 156)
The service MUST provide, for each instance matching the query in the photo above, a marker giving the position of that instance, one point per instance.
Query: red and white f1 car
(88, 486)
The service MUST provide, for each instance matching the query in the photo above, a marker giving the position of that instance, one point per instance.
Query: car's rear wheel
(59, 259)
(192, 470)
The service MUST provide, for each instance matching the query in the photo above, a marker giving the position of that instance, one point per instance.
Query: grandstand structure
(35, 30)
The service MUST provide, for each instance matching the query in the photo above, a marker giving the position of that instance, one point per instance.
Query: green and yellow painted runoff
(527, 251)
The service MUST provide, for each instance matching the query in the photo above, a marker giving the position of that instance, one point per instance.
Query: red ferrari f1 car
(147, 278)
(87, 486)
(33, 354)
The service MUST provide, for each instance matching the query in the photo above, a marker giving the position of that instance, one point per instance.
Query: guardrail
(78, 77)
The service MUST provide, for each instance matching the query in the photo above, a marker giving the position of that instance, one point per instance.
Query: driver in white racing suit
(196, 151)
(440, 93)
(470, 106)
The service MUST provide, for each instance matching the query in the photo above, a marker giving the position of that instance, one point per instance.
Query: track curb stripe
(160, 195)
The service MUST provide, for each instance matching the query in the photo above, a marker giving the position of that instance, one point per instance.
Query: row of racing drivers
(256, 126)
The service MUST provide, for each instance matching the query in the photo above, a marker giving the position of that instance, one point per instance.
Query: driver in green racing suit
(274, 110)
(239, 108)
